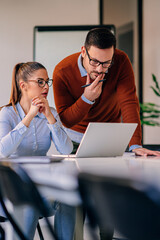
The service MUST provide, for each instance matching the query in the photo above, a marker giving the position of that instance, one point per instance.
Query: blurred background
(137, 32)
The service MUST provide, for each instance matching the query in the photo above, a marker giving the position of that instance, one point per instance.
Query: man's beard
(94, 74)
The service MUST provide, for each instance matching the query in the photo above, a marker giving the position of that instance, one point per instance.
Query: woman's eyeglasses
(41, 82)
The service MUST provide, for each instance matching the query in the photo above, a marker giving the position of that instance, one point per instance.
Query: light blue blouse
(18, 140)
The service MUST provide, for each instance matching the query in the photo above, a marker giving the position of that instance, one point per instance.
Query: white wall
(18, 17)
(119, 13)
(151, 61)
(17, 20)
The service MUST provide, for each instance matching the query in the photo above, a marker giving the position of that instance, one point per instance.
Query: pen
(91, 83)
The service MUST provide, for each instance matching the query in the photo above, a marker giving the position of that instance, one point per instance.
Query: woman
(27, 127)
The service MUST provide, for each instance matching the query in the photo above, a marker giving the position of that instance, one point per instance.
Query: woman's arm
(60, 138)
(10, 137)
(13, 129)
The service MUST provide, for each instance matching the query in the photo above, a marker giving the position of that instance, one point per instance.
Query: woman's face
(37, 84)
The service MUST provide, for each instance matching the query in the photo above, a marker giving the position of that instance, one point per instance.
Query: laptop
(105, 139)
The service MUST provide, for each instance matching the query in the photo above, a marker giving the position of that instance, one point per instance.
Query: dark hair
(101, 38)
(21, 71)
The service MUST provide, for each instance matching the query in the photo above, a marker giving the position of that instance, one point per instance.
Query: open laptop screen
(105, 139)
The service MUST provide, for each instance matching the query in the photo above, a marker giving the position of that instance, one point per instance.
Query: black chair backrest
(132, 207)
(17, 186)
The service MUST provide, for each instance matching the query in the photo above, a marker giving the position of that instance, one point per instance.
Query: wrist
(51, 119)
(135, 146)
(87, 100)
(27, 119)
(31, 115)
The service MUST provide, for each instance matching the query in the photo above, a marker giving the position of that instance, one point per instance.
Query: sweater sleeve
(127, 98)
(70, 110)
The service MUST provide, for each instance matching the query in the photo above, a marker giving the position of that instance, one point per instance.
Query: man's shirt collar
(80, 66)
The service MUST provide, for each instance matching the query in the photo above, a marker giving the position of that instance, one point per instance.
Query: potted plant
(150, 112)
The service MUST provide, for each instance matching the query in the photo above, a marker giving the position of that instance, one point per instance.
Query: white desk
(143, 168)
(59, 180)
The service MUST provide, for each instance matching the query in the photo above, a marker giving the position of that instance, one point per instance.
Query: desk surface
(59, 180)
(143, 168)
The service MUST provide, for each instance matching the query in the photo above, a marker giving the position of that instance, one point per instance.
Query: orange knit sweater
(118, 98)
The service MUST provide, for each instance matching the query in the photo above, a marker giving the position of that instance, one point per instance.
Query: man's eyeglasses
(96, 63)
(41, 82)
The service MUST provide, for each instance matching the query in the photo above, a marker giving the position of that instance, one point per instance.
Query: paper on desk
(33, 159)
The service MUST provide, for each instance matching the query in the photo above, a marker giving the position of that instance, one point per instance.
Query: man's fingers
(88, 79)
(96, 81)
(146, 152)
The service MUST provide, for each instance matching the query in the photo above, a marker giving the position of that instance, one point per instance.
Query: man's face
(93, 59)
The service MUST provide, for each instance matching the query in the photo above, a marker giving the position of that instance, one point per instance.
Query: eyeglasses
(96, 63)
(41, 82)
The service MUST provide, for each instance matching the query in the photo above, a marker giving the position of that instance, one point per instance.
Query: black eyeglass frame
(49, 82)
(97, 63)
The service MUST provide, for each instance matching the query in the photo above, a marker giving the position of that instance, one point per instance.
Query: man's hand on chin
(145, 152)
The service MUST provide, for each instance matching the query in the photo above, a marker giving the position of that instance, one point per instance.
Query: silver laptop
(105, 139)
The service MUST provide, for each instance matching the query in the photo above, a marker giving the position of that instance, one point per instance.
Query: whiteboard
(53, 43)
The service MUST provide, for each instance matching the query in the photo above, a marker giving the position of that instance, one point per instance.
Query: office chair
(132, 207)
(2, 232)
(16, 185)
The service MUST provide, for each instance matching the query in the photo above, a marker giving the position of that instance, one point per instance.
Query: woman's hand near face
(43, 107)
(30, 115)
(33, 110)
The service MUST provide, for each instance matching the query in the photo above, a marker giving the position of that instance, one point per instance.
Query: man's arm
(127, 99)
(70, 109)
(130, 108)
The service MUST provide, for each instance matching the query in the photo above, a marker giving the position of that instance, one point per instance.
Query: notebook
(105, 139)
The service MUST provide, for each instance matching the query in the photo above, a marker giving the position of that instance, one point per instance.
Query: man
(111, 100)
